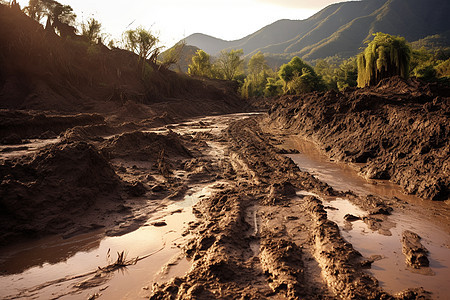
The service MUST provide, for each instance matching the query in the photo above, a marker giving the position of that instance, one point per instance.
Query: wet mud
(397, 130)
(212, 208)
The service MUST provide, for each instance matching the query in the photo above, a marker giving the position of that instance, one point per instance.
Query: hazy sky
(173, 20)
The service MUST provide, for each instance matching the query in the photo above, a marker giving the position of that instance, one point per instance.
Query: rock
(159, 224)
(351, 218)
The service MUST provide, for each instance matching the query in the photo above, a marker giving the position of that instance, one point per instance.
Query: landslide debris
(399, 130)
(26, 124)
(257, 239)
(47, 193)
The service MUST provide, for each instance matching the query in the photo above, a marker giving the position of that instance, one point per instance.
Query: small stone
(351, 218)
(159, 224)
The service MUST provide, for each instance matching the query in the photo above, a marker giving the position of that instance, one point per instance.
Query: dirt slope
(41, 71)
(398, 130)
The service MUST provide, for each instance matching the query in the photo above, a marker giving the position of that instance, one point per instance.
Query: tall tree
(60, 16)
(91, 30)
(257, 64)
(229, 63)
(385, 56)
(35, 10)
(201, 64)
(347, 74)
(258, 71)
(143, 43)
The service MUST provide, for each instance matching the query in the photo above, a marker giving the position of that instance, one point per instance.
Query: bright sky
(172, 20)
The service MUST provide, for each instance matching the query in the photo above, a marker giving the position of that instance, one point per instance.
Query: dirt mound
(146, 146)
(47, 193)
(399, 130)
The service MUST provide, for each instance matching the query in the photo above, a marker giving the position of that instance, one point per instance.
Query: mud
(398, 131)
(415, 252)
(48, 192)
(266, 230)
(97, 157)
(258, 239)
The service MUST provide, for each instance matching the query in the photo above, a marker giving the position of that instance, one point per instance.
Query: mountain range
(339, 29)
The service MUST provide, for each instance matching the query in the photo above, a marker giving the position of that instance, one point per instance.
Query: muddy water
(428, 219)
(31, 270)
(161, 243)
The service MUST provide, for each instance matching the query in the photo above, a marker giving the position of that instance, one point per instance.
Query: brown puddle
(391, 270)
(55, 258)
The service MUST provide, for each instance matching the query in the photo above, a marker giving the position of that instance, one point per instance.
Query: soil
(397, 131)
(89, 143)
(259, 239)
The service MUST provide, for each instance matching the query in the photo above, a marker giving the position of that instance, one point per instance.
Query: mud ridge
(398, 130)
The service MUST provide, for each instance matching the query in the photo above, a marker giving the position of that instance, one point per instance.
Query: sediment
(398, 131)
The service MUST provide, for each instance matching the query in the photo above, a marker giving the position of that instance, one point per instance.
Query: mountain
(338, 29)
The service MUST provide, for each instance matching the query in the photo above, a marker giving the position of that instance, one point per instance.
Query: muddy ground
(397, 131)
(260, 239)
(92, 142)
(263, 233)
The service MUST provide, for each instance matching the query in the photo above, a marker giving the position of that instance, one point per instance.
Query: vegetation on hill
(339, 29)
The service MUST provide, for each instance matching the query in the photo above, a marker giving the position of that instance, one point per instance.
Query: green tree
(60, 16)
(258, 71)
(201, 64)
(346, 75)
(274, 87)
(91, 30)
(35, 10)
(143, 43)
(327, 71)
(385, 56)
(257, 64)
(299, 77)
(229, 64)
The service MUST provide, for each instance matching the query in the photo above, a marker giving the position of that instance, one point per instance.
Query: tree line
(384, 56)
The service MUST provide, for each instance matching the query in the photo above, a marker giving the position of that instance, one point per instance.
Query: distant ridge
(338, 29)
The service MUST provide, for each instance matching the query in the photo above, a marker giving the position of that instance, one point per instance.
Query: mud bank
(48, 192)
(81, 184)
(399, 130)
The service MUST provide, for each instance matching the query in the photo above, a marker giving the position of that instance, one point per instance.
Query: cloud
(305, 4)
